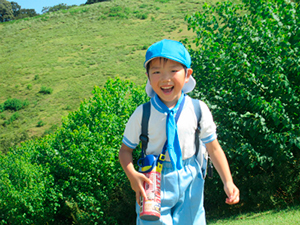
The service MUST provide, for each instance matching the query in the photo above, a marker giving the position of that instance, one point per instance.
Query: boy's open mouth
(167, 90)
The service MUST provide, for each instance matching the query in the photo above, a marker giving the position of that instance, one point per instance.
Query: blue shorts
(181, 195)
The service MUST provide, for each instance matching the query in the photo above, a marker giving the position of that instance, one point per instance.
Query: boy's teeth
(166, 88)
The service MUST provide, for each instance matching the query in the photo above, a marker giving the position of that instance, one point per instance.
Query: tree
(247, 69)
(12, 10)
(20, 13)
(15, 8)
(6, 12)
(55, 8)
(94, 1)
(24, 13)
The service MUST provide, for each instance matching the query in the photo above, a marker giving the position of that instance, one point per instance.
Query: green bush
(118, 11)
(14, 104)
(2, 116)
(40, 123)
(247, 69)
(36, 77)
(29, 86)
(27, 194)
(13, 117)
(88, 145)
(46, 90)
(141, 15)
(80, 163)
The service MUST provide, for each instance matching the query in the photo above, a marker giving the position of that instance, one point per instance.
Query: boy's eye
(175, 70)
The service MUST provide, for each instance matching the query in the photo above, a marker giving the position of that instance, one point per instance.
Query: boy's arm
(220, 162)
(136, 179)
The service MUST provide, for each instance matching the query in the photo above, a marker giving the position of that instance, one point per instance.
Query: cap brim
(188, 87)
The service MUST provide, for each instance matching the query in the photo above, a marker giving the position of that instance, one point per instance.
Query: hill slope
(69, 52)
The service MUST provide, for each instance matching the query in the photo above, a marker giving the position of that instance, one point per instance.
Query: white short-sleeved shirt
(186, 126)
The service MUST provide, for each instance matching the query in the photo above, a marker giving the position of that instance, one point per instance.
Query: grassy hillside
(54, 60)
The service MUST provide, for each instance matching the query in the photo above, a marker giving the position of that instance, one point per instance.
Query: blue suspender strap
(198, 113)
(145, 121)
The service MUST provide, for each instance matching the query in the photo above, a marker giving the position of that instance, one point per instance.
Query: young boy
(169, 78)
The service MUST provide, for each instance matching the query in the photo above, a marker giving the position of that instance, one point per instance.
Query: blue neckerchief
(172, 144)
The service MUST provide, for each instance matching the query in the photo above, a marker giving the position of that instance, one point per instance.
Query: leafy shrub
(15, 104)
(36, 77)
(2, 116)
(29, 86)
(13, 117)
(83, 182)
(26, 191)
(143, 6)
(88, 145)
(247, 69)
(141, 15)
(46, 90)
(40, 123)
(118, 11)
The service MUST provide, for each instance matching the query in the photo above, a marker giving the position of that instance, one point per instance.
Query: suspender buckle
(144, 138)
(162, 157)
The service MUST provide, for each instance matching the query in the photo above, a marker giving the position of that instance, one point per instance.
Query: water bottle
(151, 207)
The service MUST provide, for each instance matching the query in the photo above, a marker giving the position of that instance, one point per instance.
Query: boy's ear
(189, 72)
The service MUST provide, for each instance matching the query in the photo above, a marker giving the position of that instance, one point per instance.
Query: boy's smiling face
(167, 78)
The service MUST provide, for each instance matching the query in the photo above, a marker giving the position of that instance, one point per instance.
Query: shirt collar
(161, 107)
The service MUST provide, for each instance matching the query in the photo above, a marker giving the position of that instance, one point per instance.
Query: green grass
(284, 217)
(71, 51)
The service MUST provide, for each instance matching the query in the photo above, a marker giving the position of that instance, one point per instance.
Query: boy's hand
(232, 192)
(137, 182)
(136, 179)
(220, 162)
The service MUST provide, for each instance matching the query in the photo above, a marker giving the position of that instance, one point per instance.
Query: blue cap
(169, 49)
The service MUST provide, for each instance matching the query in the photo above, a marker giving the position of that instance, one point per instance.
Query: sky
(39, 4)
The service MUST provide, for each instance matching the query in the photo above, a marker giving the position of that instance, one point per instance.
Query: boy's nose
(165, 76)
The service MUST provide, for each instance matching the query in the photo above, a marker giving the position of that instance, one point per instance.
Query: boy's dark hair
(165, 60)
